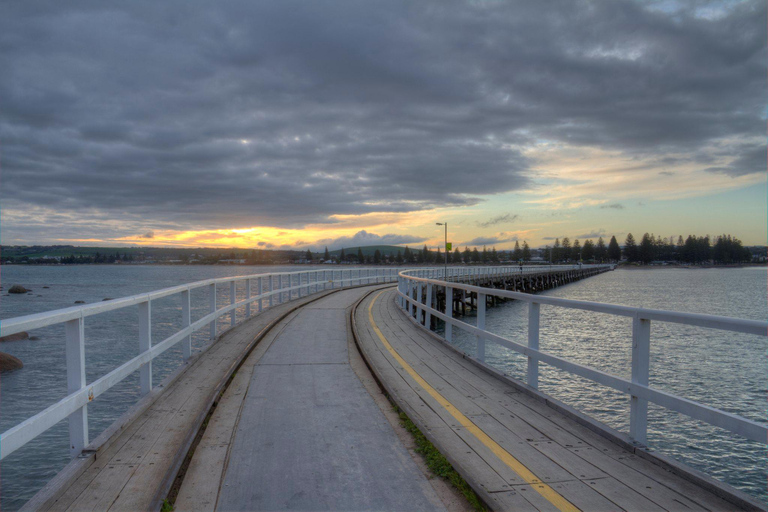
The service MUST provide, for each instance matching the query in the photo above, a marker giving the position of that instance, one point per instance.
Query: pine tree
(646, 251)
(475, 255)
(309, 255)
(588, 250)
(467, 255)
(377, 257)
(494, 255)
(517, 254)
(614, 251)
(556, 251)
(456, 256)
(630, 249)
(360, 257)
(601, 251)
(342, 256)
(526, 251)
(576, 251)
(565, 252)
(327, 255)
(407, 255)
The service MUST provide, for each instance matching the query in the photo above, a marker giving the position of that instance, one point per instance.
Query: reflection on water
(720, 369)
(111, 339)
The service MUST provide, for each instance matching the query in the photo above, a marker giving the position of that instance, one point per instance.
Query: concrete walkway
(308, 435)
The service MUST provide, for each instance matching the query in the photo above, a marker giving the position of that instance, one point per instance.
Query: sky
(308, 124)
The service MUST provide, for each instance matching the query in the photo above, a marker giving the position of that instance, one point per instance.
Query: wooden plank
(569, 461)
(101, 492)
(622, 495)
(654, 491)
(541, 466)
(575, 491)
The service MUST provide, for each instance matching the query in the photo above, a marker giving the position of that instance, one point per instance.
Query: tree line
(726, 249)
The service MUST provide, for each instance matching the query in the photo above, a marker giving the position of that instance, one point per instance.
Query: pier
(286, 409)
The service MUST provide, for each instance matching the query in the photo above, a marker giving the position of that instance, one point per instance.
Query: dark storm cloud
(753, 160)
(198, 115)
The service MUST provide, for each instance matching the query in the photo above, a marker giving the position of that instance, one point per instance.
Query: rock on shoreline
(19, 336)
(9, 362)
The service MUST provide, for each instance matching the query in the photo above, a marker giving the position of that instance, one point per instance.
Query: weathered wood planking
(584, 467)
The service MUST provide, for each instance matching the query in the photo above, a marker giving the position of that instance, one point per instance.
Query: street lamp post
(445, 272)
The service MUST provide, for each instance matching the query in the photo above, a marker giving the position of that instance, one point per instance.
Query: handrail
(415, 297)
(74, 405)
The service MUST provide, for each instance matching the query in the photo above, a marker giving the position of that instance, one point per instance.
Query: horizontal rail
(637, 387)
(74, 405)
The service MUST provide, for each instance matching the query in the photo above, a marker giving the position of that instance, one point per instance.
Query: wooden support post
(75, 355)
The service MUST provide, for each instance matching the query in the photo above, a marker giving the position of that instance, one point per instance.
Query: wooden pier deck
(515, 450)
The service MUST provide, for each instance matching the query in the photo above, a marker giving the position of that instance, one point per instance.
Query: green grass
(167, 507)
(438, 464)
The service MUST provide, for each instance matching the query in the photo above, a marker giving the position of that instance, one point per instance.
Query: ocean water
(111, 339)
(725, 370)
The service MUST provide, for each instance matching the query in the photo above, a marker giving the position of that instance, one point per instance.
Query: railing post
(232, 300)
(280, 287)
(428, 304)
(212, 308)
(75, 353)
(481, 325)
(448, 313)
(411, 297)
(533, 343)
(247, 297)
(641, 350)
(186, 321)
(298, 278)
(418, 302)
(145, 343)
(271, 288)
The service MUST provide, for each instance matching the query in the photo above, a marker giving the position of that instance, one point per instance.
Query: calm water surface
(725, 370)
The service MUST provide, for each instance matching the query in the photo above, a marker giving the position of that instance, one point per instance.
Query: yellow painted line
(526, 474)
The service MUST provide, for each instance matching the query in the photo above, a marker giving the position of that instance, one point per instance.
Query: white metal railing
(416, 296)
(272, 287)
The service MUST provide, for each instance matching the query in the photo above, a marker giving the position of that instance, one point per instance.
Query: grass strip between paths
(437, 463)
